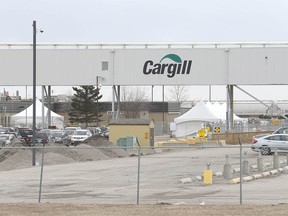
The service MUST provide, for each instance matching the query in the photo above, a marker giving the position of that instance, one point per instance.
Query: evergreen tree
(85, 106)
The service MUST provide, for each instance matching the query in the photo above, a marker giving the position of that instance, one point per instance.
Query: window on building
(104, 66)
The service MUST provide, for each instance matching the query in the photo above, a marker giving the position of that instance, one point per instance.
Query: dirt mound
(92, 150)
(106, 147)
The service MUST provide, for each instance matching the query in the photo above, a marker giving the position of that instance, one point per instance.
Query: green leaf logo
(173, 57)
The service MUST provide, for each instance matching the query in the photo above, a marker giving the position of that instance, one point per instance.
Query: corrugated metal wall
(140, 131)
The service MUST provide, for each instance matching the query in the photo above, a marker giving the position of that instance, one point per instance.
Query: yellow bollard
(208, 175)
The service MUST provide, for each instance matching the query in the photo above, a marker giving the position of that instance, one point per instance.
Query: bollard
(227, 169)
(207, 175)
(276, 160)
(246, 170)
(260, 163)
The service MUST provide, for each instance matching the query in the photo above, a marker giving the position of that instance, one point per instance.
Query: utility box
(121, 142)
(129, 142)
(143, 129)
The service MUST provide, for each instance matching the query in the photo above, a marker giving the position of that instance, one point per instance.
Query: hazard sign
(201, 133)
(217, 129)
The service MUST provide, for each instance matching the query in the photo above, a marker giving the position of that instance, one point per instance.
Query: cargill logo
(179, 67)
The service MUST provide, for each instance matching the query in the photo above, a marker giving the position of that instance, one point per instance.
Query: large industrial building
(162, 113)
(231, 64)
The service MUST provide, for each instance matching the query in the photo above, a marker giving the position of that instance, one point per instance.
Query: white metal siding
(240, 66)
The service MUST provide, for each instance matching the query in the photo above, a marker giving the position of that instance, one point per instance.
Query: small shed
(143, 129)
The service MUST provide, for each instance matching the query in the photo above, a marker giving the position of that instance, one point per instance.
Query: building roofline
(166, 44)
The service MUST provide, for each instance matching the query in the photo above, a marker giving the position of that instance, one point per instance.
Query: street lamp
(34, 91)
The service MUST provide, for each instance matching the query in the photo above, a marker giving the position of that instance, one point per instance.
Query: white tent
(20, 119)
(191, 121)
(217, 109)
(220, 110)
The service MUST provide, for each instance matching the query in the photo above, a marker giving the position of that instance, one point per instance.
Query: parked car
(8, 130)
(25, 135)
(80, 136)
(55, 134)
(69, 134)
(270, 143)
(94, 130)
(104, 133)
(41, 137)
(72, 128)
(281, 130)
(2, 141)
(60, 136)
(48, 132)
(7, 137)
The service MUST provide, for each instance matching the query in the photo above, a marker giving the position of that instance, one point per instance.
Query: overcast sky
(149, 21)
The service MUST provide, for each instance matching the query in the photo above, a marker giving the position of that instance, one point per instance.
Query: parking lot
(115, 181)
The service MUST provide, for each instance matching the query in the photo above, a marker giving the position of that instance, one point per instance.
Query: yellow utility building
(143, 129)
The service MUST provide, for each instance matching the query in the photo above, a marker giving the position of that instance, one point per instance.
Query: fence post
(138, 175)
(41, 175)
(241, 171)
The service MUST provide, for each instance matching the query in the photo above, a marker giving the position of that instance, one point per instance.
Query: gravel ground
(139, 210)
(17, 158)
(95, 149)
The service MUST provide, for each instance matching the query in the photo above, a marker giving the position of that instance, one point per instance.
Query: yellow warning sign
(201, 133)
(276, 121)
(217, 129)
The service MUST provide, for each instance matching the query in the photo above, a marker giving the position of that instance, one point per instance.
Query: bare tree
(178, 93)
(132, 99)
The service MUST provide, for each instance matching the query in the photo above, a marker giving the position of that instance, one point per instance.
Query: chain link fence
(171, 174)
(251, 125)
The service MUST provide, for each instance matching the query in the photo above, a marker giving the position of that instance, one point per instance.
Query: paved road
(114, 181)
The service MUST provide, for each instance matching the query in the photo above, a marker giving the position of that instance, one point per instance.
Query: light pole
(26, 108)
(34, 93)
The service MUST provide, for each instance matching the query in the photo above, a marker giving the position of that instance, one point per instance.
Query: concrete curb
(248, 178)
(252, 177)
(186, 180)
(219, 173)
(265, 174)
(274, 172)
(234, 181)
(236, 170)
(258, 176)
